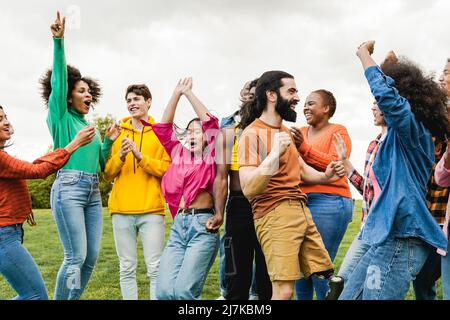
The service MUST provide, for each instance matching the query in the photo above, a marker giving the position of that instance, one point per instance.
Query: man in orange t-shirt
(271, 170)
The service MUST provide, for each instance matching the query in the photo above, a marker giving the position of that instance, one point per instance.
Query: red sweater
(319, 152)
(15, 199)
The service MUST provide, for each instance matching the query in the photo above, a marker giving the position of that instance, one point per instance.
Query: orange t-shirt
(319, 152)
(254, 145)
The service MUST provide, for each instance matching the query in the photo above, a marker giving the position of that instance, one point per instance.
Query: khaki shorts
(291, 244)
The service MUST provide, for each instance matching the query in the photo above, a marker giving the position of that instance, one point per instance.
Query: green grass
(43, 243)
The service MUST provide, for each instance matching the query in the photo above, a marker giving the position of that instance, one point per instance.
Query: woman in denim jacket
(399, 228)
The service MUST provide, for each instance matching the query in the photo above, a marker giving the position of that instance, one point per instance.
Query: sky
(221, 44)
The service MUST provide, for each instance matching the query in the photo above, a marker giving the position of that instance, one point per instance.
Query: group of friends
(284, 193)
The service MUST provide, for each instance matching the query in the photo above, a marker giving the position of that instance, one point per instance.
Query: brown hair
(140, 90)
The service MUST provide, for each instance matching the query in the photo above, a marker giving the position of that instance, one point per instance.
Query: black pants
(241, 246)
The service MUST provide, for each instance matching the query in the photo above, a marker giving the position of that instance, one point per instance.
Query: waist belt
(195, 211)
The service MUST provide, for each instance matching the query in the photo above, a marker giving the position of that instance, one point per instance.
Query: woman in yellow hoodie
(137, 164)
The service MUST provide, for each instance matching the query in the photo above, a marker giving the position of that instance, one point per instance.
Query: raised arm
(396, 109)
(320, 160)
(199, 107)
(255, 176)
(353, 176)
(309, 175)
(169, 112)
(12, 168)
(57, 103)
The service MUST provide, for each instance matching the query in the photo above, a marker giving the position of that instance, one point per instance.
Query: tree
(40, 189)
(102, 124)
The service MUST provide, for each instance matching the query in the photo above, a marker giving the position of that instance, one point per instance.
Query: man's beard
(283, 107)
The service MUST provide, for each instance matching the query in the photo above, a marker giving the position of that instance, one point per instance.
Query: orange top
(254, 145)
(15, 199)
(319, 152)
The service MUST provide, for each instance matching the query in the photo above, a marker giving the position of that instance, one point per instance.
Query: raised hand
(298, 137)
(124, 148)
(281, 142)
(58, 27)
(83, 137)
(113, 132)
(331, 171)
(366, 47)
(128, 145)
(341, 149)
(184, 86)
(340, 146)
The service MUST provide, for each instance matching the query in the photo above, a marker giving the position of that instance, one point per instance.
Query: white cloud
(222, 44)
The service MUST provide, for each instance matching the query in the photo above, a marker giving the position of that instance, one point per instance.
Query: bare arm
(254, 180)
(198, 106)
(309, 175)
(364, 54)
(169, 112)
(223, 159)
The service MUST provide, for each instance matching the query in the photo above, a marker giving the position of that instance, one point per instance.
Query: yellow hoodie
(137, 186)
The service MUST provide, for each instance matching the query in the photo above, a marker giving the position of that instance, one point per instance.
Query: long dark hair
(269, 81)
(428, 102)
(73, 76)
(247, 110)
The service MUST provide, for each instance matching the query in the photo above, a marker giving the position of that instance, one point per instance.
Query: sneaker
(336, 286)
(220, 298)
(324, 275)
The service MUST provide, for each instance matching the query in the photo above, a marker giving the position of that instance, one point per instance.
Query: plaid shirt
(362, 183)
(437, 197)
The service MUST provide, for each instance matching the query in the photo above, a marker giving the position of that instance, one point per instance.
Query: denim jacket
(402, 168)
(228, 121)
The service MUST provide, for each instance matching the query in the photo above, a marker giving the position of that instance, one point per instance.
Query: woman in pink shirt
(442, 176)
(187, 187)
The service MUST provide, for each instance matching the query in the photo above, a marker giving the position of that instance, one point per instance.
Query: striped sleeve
(12, 168)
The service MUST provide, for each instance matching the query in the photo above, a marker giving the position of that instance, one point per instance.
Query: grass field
(43, 243)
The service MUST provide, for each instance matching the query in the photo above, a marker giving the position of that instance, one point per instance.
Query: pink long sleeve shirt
(187, 175)
(442, 177)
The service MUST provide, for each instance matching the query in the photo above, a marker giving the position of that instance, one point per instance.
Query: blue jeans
(150, 228)
(357, 250)
(18, 266)
(445, 278)
(425, 283)
(187, 258)
(223, 290)
(386, 271)
(331, 214)
(77, 210)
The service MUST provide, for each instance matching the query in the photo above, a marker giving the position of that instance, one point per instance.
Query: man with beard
(270, 171)
(240, 245)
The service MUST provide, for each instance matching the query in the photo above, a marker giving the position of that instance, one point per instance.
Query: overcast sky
(221, 44)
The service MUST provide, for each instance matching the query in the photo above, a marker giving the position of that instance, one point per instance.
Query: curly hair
(428, 102)
(328, 99)
(73, 76)
(269, 81)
